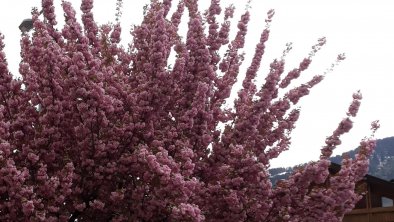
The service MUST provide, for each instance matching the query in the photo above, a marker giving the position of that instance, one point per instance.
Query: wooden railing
(378, 214)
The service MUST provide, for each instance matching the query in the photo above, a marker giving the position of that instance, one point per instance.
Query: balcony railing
(377, 214)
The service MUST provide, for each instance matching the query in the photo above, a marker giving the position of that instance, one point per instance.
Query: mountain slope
(381, 162)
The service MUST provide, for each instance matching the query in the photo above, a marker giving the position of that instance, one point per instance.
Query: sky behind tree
(362, 29)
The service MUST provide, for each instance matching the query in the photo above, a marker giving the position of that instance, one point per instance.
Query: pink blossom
(28, 207)
(100, 132)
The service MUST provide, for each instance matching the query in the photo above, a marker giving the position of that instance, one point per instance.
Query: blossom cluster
(96, 132)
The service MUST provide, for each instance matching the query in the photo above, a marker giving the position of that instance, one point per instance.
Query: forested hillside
(381, 162)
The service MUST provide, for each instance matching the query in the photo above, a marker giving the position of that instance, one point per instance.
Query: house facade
(377, 203)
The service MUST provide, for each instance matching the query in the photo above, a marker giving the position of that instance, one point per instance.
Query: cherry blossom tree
(93, 131)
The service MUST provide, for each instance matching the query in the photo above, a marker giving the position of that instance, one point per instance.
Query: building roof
(378, 185)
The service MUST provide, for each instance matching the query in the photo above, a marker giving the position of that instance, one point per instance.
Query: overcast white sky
(363, 29)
